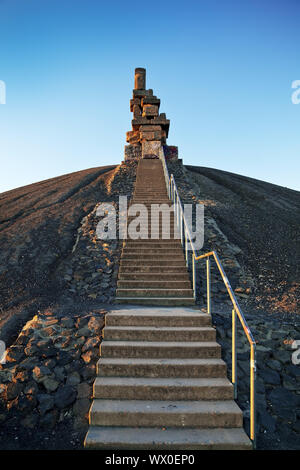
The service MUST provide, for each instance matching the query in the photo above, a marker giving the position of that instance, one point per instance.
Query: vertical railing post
(181, 223)
(208, 290)
(194, 276)
(173, 185)
(233, 352)
(186, 249)
(253, 393)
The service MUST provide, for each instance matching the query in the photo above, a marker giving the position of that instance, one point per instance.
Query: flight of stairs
(153, 270)
(161, 384)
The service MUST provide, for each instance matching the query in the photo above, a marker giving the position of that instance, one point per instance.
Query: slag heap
(149, 127)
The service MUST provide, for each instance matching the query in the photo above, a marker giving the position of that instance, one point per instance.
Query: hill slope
(263, 220)
(38, 224)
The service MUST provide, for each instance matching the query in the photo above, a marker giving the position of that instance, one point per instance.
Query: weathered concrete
(161, 368)
(160, 438)
(164, 349)
(163, 388)
(161, 333)
(159, 317)
(156, 413)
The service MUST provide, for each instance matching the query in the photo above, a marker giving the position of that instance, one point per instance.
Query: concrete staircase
(162, 384)
(153, 270)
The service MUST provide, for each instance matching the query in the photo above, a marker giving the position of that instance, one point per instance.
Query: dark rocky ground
(57, 275)
(39, 227)
(263, 220)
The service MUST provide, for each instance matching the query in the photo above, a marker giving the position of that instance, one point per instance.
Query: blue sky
(222, 69)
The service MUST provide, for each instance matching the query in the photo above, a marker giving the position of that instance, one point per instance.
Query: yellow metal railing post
(208, 290)
(253, 393)
(233, 352)
(194, 276)
(186, 250)
(181, 221)
(237, 312)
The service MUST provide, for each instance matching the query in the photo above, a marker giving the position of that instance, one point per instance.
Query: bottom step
(156, 300)
(118, 438)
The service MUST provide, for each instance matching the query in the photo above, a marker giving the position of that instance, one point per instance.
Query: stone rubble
(278, 379)
(49, 371)
(90, 271)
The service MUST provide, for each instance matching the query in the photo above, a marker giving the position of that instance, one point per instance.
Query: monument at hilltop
(149, 128)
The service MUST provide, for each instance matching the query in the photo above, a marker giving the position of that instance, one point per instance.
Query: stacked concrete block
(149, 127)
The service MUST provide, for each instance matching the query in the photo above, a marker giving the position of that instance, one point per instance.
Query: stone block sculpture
(149, 127)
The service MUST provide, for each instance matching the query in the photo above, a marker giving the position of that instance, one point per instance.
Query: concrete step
(153, 301)
(154, 209)
(159, 349)
(151, 284)
(155, 292)
(153, 192)
(175, 261)
(157, 317)
(155, 195)
(151, 251)
(136, 269)
(148, 217)
(150, 205)
(153, 227)
(144, 218)
(158, 388)
(152, 255)
(157, 236)
(152, 243)
(137, 367)
(150, 200)
(200, 414)
(153, 276)
(159, 333)
(111, 438)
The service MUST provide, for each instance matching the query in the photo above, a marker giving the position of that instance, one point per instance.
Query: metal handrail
(236, 311)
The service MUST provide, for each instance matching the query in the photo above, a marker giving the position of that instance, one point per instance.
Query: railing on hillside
(236, 311)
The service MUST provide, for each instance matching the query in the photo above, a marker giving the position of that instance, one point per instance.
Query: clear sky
(223, 70)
